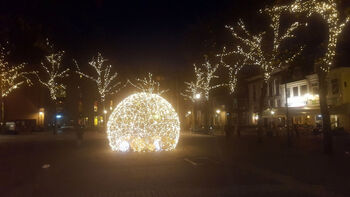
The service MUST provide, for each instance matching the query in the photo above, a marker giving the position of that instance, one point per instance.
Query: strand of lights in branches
(52, 68)
(148, 85)
(251, 46)
(143, 122)
(194, 87)
(11, 77)
(233, 70)
(105, 81)
(203, 83)
(327, 9)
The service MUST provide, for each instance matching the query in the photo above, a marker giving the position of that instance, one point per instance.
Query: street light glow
(198, 96)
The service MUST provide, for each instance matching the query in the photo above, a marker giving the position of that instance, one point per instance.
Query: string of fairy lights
(327, 9)
(251, 47)
(203, 83)
(143, 122)
(194, 88)
(148, 84)
(54, 73)
(105, 81)
(11, 77)
(233, 69)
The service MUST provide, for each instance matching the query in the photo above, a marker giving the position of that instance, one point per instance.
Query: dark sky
(143, 35)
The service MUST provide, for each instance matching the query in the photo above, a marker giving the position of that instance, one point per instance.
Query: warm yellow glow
(143, 122)
(328, 10)
(218, 111)
(198, 96)
(105, 111)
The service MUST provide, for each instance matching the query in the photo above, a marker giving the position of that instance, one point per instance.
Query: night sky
(162, 37)
(143, 35)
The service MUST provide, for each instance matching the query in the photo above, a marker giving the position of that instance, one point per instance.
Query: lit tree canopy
(11, 77)
(194, 87)
(327, 9)
(54, 73)
(203, 83)
(106, 82)
(252, 47)
(148, 85)
(233, 69)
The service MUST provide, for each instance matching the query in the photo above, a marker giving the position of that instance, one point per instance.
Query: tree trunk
(326, 123)
(261, 111)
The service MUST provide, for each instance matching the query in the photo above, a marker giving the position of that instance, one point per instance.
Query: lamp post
(197, 96)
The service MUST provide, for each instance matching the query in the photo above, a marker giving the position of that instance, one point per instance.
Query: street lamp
(218, 111)
(197, 96)
(105, 111)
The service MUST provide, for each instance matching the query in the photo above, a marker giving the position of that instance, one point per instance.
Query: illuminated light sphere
(143, 122)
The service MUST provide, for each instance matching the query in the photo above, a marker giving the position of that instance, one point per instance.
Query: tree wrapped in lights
(233, 69)
(52, 68)
(253, 51)
(11, 78)
(143, 122)
(105, 81)
(327, 9)
(202, 85)
(148, 85)
(194, 88)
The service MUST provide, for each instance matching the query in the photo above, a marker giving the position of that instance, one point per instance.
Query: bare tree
(252, 48)
(11, 78)
(148, 85)
(106, 81)
(329, 12)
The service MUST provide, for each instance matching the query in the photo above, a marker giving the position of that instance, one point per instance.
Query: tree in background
(11, 78)
(254, 52)
(106, 82)
(329, 12)
(148, 85)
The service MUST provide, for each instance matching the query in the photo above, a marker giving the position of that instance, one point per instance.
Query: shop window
(295, 91)
(303, 90)
(335, 86)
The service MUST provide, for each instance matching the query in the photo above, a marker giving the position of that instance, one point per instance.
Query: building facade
(300, 99)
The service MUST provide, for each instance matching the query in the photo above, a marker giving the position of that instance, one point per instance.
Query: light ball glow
(143, 122)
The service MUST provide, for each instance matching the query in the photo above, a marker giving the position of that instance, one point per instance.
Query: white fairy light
(327, 9)
(148, 85)
(233, 70)
(52, 68)
(194, 88)
(143, 122)
(203, 83)
(11, 77)
(105, 81)
(254, 52)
